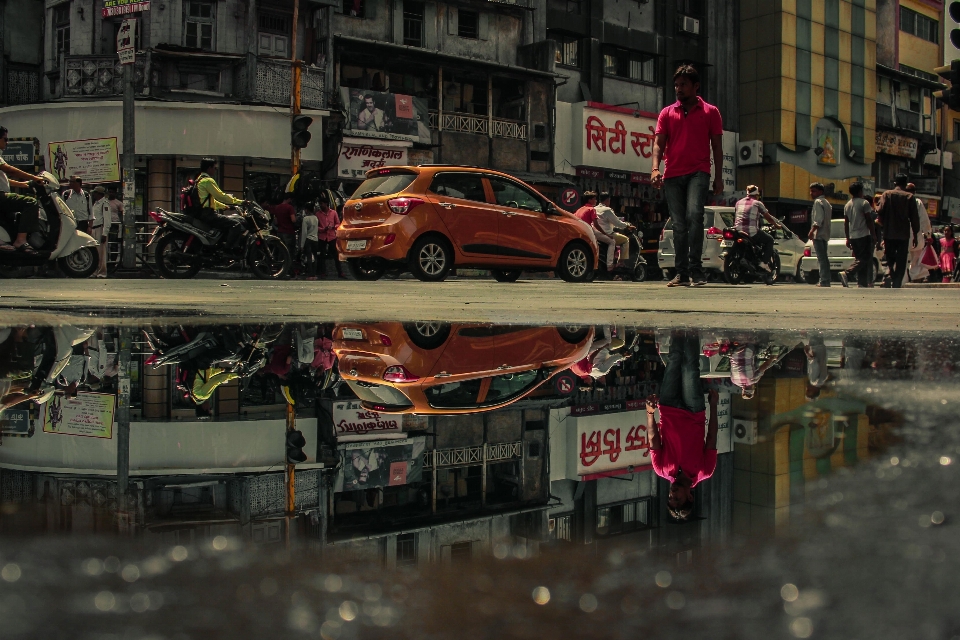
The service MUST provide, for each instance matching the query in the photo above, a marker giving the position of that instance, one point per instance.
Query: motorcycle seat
(196, 223)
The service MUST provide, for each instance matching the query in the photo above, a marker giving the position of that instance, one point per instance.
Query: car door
(520, 346)
(526, 234)
(783, 243)
(461, 202)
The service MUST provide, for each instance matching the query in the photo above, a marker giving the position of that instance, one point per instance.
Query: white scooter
(58, 238)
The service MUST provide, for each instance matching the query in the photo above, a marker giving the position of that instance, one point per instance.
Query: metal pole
(295, 83)
(129, 165)
(290, 470)
(483, 478)
(433, 508)
(123, 426)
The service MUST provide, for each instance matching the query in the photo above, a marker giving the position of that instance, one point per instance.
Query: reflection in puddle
(420, 444)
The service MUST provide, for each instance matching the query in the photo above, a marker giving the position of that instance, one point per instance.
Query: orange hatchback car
(433, 218)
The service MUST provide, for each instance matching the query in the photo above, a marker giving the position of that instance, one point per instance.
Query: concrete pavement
(527, 301)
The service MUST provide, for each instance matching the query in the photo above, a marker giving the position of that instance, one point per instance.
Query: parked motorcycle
(635, 267)
(742, 260)
(185, 244)
(58, 238)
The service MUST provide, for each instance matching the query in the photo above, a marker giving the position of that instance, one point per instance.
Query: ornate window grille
(466, 123)
(96, 76)
(473, 456)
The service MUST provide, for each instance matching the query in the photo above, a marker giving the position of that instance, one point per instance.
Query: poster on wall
(387, 116)
(612, 442)
(95, 161)
(123, 7)
(87, 415)
(356, 160)
(353, 423)
(828, 141)
(380, 463)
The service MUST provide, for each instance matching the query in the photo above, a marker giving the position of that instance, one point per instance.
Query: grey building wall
(22, 22)
(887, 34)
(723, 54)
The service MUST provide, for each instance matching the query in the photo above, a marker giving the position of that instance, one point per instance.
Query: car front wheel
(575, 263)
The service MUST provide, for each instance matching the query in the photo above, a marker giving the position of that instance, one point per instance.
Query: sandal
(27, 249)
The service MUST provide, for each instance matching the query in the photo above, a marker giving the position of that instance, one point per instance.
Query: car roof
(457, 167)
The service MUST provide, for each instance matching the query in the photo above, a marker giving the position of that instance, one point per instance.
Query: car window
(384, 185)
(506, 387)
(727, 217)
(836, 229)
(466, 186)
(454, 395)
(511, 194)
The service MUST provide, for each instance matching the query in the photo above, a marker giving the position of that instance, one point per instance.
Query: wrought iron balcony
(272, 83)
(96, 76)
(480, 125)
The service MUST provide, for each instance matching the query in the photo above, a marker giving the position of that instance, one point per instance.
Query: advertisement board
(380, 463)
(387, 116)
(612, 442)
(95, 161)
(355, 160)
(611, 139)
(88, 415)
(353, 423)
(23, 153)
(123, 7)
(896, 145)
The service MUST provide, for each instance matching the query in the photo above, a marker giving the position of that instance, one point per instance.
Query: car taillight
(714, 234)
(729, 234)
(390, 239)
(402, 206)
(399, 374)
(806, 252)
(386, 341)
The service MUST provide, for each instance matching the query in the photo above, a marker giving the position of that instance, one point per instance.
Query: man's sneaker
(679, 281)
(699, 281)
(843, 279)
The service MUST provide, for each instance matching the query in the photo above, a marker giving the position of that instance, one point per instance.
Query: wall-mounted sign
(95, 161)
(88, 414)
(356, 160)
(351, 423)
(896, 145)
(612, 442)
(611, 139)
(23, 153)
(389, 116)
(380, 463)
(123, 7)
(126, 37)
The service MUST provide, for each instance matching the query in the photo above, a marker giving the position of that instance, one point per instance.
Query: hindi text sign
(352, 423)
(88, 414)
(126, 37)
(356, 160)
(612, 442)
(612, 140)
(96, 160)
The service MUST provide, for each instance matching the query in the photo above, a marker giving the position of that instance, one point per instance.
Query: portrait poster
(386, 116)
(380, 463)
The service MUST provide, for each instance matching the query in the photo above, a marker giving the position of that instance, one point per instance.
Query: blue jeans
(820, 248)
(686, 196)
(681, 387)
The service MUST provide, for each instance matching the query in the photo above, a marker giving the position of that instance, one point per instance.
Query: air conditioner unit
(745, 431)
(750, 153)
(690, 25)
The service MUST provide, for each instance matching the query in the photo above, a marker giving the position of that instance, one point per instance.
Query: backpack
(190, 199)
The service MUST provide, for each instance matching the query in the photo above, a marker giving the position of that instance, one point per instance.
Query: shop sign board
(356, 160)
(380, 463)
(729, 168)
(123, 7)
(352, 423)
(587, 172)
(87, 415)
(15, 421)
(926, 185)
(896, 145)
(387, 116)
(96, 160)
(611, 139)
(612, 442)
(23, 153)
(126, 37)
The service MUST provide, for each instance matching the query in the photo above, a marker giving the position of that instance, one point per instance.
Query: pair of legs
(686, 196)
(231, 227)
(820, 248)
(20, 216)
(100, 234)
(328, 251)
(896, 252)
(681, 387)
(862, 261)
(764, 240)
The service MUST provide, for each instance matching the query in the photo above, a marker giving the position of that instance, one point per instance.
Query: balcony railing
(96, 76)
(272, 84)
(473, 456)
(479, 125)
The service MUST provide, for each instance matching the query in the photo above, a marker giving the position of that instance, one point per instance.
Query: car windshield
(836, 229)
(379, 394)
(384, 185)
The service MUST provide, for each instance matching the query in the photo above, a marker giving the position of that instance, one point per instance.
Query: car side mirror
(551, 210)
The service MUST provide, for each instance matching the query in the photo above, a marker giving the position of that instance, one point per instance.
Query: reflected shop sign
(611, 443)
(380, 463)
(352, 423)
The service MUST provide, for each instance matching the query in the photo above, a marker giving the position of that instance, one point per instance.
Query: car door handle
(502, 367)
(447, 205)
(509, 214)
(442, 374)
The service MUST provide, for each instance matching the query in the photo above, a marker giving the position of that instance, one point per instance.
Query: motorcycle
(58, 238)
(636, 266)
(742, 259)
(185, 244)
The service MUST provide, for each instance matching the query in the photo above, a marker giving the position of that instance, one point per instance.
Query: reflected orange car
(433, 218)
(438, 368)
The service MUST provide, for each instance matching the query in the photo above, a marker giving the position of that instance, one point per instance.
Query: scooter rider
(609, 223)
(19, 215)
(588, 213)
(749, 210)
(214, 201)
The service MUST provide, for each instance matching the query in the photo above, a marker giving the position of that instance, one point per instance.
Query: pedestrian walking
(918, 271)
(78, 201)
(686, 131)
(820, 216)
(310, 243)
(861, 236)
(897, 217)
(328, 223)
(100, 226)
(286, 217)
(948, 254)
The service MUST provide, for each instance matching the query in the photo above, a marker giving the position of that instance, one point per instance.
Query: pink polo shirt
(688, 137)
(683, 446)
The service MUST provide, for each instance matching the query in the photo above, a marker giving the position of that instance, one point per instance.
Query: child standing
(329, 221)
(309, 242)
(948, 248)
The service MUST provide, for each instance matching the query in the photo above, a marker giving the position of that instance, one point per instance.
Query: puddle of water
(476, 478)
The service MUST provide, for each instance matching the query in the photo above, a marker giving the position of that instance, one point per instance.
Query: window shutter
(483, 26)
(452, 20)
(370, 10)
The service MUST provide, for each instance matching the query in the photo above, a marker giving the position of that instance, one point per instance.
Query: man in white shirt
(116, 206)
(820, 216)
(100, 226)
(608, 223)
(918, 271)
(79, 202)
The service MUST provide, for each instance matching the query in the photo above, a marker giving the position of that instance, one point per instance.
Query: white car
(841, 258)
(715, 220)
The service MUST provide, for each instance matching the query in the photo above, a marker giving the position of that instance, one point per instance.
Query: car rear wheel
(365, 268)
(431, 259)
(575, 263)
(501, 275)
(427, 334)
(811, 277)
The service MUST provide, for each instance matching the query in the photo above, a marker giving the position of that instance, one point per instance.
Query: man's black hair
(206, 163)
(3, 131)
(603, 197)
(900, 180)
(856, 189)
(687, 71)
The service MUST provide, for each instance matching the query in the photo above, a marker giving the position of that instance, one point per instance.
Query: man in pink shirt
(678, 451)
(686, 131)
